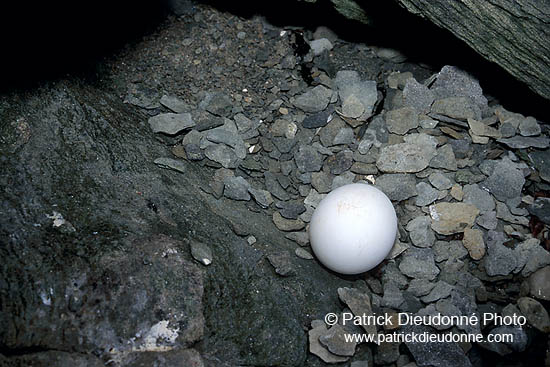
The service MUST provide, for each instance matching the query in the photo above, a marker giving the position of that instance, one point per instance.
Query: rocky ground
(158, 212)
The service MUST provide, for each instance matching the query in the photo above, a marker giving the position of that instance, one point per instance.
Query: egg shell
(353, 228)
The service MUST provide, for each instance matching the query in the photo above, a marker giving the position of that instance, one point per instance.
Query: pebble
(201, 252)
(236, 188)
(440, 290)
(478, 128)
(440, 181)
(506, 181)
(262, 197)
(459, 108)
(418, 96)
(444, 158)
(301, 238)
(318, 46)
(449, 250)
(315, 347)
(449, 218)
(398, 186)
(541, 161)
(401, 120)
(174, 104)
(535, 313)
(404, 158)
(222, 154)
(456, 192)
(499, 259)
(426, 194)
(308, 159)
(290, 209)
(473, 242)
(287, 225)
(529, 127)
(349, 83)
(359, 302)
(282, 263)
(303, 254)
(314, 100)
(343, 179)
(539, 286)
(334, 340)
(521, 142)
(452, 81)
(419, 263)
(171, 123)
(340, 162)
(473, 194)
(170, 163)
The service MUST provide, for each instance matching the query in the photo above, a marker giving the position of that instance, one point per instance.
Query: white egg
(353, 228)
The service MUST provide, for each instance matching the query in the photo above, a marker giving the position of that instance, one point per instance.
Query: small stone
(321, 181)
(535, 313)
(418, 96)
(236, 188)
(316, 348)
(222, 154)
(318, 46)
(314, 198)
(314, 100)
(340, 162)
(440, 181)
(531, 254)
(343, 179)
(541, 161)
(228, 137)
(359, 302)
(452, 81)
(308, 159)
(318, 119)
(262, 197)
(419, 263)
(426, 194)
(349, 83)
(449, 218)
(251, 240)
(401, 120)
(488, 220)
(301, 238)
(460, 108)
(193, 152)
(287, 225)
(444, 158)
(481, 129)
(291, 209)
(397, 187)
(473, 194)
(529, 127)
(344, 137)
(398, 80)
(273, 185)
(506, 181)
(393, 296)
(479, 139)
(201, 252)
(522, 142)
(457, 193)
(420, 232)
(175, 104)
(170, 163)
(405, 158)
(473, 241)
(171, 123)
(335, 341)
(504, 213)
(541, 209)
(217, 103)
(303, 254)
(499, 259)
(361, 168)
(282, 263)
(440, 290)
(539, 286)
(352, 107)
(449, 250)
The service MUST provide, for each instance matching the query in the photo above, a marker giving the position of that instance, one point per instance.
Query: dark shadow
(47, 40)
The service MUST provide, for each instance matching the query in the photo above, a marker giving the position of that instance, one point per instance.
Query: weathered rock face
(95, 247)
(513, 34)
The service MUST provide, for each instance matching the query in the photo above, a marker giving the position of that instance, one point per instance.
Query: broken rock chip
(449, 218)
(359, 303)
(405, 158)
(314, 100)
(315, 347)
(171, 123)
(201, 252)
